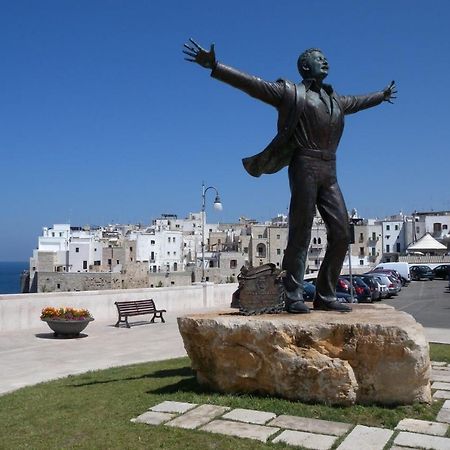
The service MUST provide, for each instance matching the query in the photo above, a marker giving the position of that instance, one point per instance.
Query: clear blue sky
(102, 120)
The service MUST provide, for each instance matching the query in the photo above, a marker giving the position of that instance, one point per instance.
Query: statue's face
(316, 66)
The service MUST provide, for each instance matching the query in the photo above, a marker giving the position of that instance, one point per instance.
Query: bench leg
(157, 315)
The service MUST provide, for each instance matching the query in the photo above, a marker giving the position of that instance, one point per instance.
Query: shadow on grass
(187, 385)
(167, 373)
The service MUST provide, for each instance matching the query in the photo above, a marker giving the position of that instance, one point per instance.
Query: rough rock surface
(374, 354)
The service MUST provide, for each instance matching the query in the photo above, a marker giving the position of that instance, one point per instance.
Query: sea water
(10, 276)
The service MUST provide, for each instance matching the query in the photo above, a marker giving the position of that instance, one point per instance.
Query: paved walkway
(32, 356)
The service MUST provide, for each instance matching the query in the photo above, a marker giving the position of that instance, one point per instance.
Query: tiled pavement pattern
(409, 434)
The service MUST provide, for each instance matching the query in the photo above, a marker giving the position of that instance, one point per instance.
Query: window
(109, 262)
(278, 236)
(373, 251)
(314, 241)
(233, 263)
(117, 261)
(131, 249)
(260, 251)
(60, 234)
(175, 268)
(58, 286)
(388, 248)
(398, 247)
(77, 249)
(84, 265)
(152, 256)
(97, 263)
(417, 229)
(388, 236)
(245, 249)
(361, 250)
(174, 253)
(278, 251)
(361, 237)
(173, 240)
(168, 253)
(168, 239)
(152, 242)
(53, 234)
(396, 227)
(374, 236)
(444, 226)
(319, 241)
(260, 236)
(361, 262)
(388, 227)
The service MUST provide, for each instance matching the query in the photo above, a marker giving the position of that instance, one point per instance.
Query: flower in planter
(65, 313)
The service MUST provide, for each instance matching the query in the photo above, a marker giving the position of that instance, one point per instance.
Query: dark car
(421, 273)
(442, 271)
(373, 286)
(362, 291)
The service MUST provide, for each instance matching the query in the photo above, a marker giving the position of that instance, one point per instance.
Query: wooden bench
(138, 308)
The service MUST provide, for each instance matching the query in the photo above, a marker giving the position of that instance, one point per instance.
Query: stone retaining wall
(22, 311)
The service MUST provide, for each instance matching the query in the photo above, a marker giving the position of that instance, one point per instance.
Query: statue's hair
(303, 58)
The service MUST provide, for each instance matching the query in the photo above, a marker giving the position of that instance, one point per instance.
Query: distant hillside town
(171, 251)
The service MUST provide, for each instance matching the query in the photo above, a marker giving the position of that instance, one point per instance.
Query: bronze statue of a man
(310, 125)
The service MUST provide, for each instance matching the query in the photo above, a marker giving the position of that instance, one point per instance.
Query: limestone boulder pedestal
(373, 355)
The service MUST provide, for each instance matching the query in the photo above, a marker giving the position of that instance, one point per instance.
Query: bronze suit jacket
(278, 153)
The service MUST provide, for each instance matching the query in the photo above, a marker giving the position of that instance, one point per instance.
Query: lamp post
(218, 207)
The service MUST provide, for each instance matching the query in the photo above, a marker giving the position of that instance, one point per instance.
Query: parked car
(392, 287)
(395, 276)
(362, 291)
(442, 271)
(374, 287)
(342, 291)
(421, 273)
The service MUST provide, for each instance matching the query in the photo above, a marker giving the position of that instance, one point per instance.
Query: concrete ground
(32, 356)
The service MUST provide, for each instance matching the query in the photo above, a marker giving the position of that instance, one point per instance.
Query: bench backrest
(136, 307)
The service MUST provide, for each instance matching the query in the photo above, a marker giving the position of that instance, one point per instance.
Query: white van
(401, 267)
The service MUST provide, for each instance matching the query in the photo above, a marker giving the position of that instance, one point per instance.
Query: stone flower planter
(67, 328)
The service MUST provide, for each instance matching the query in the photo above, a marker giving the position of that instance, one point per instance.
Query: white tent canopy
(427, 244)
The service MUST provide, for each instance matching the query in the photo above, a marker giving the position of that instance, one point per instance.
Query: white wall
(22, 311)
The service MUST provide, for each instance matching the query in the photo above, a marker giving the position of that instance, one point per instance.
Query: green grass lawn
(93, 410)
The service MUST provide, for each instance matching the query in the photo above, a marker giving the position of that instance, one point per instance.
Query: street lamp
(218, 207)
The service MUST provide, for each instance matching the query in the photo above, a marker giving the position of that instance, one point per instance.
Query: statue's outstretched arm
(389, 92)
(199, 55)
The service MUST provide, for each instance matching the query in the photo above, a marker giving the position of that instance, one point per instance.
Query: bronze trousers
(313, 183)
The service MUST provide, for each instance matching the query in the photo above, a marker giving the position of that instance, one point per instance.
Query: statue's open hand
(389, 92)
(199, 55)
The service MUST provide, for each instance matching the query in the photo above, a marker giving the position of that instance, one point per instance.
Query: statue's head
(313, 64)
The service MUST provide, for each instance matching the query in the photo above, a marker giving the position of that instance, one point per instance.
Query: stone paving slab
(422, 426)
(442, 394)
(373, 438)
(446, 404)
(441, 386)
(239, 429)
(422, 441)
(173, 407)
(438, 364)
(198, 416)
(153, 418)
(440, 375)
(306, 440)
(250, 416)
(443, 415)
(311, 425)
